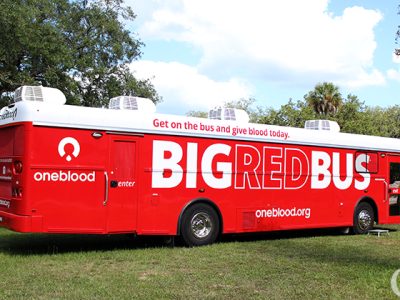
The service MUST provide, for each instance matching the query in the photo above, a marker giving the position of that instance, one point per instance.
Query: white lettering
(252, 166)
(54, 176)
(5, 203)
(167, 173)
(46, 176)
(65, 176)
(38, 176)
(191, 165)
(126, 183)
(320, 162)
(224, 167)
(281, 213)
(362, 185)
(342, 184)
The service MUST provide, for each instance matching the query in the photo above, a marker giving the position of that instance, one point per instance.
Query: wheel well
(199, 201)
(371, 202)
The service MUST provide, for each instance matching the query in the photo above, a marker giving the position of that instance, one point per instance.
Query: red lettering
(272, 177)
(296, 168)
(247, 161)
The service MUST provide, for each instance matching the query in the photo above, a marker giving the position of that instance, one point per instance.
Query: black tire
(199, 225)
(364, 218)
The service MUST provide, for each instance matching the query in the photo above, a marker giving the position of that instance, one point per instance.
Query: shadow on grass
(290, 234)
(279, 235)
(31, 244)
(354, 251)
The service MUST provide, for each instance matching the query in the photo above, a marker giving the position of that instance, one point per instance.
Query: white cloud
(372, 78)
(393, 74)
(280, 41)
(184, 88)
(396, 58)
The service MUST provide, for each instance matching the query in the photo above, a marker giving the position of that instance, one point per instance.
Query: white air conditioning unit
(230, 114)
(322, 125)
(39, 94)
(132, 103)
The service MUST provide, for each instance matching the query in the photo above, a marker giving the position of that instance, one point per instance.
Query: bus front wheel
(200, 225)
(363, 218)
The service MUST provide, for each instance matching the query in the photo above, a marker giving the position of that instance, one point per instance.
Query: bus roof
(68, 116)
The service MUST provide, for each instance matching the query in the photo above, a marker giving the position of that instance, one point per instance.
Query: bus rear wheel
(200, 225)
(363, 218)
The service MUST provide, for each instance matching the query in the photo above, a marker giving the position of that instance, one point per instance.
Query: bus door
(394, 186)
(121, 184)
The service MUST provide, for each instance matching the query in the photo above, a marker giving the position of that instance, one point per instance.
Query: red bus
(128, 169)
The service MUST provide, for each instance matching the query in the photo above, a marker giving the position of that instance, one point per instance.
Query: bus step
(378, 232)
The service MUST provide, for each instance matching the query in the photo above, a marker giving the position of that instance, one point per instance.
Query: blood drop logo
(76, 148)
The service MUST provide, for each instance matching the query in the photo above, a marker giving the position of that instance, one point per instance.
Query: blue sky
(200, 54)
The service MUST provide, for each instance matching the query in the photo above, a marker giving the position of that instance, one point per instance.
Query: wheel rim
(201, 225)
(364, 220)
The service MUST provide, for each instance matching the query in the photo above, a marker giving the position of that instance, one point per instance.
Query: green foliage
(353, 116)
(280, 265)
(325, 99)
(245, 104)
(242, 103)
(292, 114)
(384, 121)
(80, 47)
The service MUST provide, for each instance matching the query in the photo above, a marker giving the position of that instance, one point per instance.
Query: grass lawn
(296, 264)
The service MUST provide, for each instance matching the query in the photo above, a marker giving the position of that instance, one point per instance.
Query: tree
(352, 115)
(78, 46)
(325, 99)
(392, 117)
(243, 103)
(292, 114)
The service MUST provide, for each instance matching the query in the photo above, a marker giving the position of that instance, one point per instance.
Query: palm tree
(325, 98)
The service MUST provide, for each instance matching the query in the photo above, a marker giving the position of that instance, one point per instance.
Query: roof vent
(132, 103)
(39, 94)
(227, 113)
(322, 125)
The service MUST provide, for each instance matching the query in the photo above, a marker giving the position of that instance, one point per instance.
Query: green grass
(298, 264)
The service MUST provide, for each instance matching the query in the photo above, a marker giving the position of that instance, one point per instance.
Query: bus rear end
(14, 213)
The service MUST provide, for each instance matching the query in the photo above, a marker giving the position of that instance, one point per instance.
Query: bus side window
(369, 162)
(394, 198)
(395, 174)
